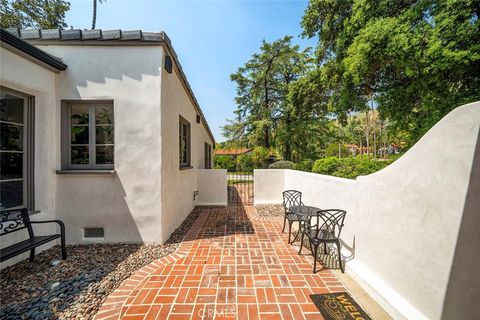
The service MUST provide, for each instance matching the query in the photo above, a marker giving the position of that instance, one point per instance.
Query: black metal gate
(240, 188)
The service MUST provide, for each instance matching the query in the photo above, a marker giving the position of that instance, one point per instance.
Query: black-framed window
(88, 135)
(184, 142)
(208, 155)
(16, 150)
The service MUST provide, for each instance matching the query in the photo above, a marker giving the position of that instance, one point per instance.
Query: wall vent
(168, 64)
(93, 232)
(198, 118)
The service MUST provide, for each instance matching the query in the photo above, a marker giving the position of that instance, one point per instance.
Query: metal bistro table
(304, 213)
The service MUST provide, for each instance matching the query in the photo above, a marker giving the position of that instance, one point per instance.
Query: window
(16, 150)
(208, 156)
(184, 142)
(88, 135)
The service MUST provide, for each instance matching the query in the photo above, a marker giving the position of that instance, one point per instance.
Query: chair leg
(340, 257)
(289, 230)
(315, 252)
(325, 248)
(301, 243)
(284, 221)
(32, 254)
(64, 249)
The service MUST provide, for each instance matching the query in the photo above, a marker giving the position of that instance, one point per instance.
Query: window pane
(11, 194)
(11, 137)
(104, 135)
(11, 165)
(104, 154)
(79, 135)
(79, 155)
(104, 114)
(11, 109)
(79, 114)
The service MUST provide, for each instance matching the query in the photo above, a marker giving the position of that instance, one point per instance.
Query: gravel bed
(272, 210)
(76, 288)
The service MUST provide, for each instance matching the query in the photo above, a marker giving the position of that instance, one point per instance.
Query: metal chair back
(291, 198)
(329, 224)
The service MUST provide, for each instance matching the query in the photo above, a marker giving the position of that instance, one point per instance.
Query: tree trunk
(288, 147)
(94, 18)
(374, 132)
(367, 132)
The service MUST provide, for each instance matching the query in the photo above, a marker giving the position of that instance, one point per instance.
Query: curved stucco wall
(403, 222)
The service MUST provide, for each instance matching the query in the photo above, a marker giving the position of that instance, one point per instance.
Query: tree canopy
(417, 60)
(42, 14)
(401, 64)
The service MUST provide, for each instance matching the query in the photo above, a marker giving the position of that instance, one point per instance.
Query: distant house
(100, 129)
(234, 153)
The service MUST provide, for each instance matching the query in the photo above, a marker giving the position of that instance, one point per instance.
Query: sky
(212, 38)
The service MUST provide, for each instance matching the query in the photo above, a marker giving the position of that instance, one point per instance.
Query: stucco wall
(178, 185)
(212, 187)
(127, 204)
(25, 76)
(271, 184)
(403, 222)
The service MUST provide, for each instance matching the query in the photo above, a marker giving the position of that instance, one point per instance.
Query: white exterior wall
(127, 204)
(402, 222)
(212, 187)
(25, 76)
(178, 185)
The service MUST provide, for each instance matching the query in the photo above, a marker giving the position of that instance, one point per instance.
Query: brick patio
(233, 264)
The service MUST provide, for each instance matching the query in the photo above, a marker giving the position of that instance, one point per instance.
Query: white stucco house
(101, 129)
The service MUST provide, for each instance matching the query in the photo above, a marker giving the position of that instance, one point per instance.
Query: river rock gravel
(272, 210)
(76, 288)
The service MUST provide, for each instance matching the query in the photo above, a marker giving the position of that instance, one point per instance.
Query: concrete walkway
(233, 264)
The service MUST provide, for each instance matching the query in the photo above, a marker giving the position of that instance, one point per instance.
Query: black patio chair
(327, 229)
(291, 198)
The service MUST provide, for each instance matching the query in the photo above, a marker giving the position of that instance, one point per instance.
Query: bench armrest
(59, 222)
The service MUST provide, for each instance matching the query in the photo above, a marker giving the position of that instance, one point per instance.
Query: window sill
(185, 167)
(86, 172)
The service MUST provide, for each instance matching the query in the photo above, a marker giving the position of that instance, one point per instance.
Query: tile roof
(31, 52)
(116, 37)
(232, 151)
(88, 35)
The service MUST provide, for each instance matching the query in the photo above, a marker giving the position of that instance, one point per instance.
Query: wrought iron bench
(16, 220)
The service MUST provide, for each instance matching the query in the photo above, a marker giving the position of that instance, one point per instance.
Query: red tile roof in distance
(231, 152)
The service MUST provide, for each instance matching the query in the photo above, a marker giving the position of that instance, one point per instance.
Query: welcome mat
(339, 306)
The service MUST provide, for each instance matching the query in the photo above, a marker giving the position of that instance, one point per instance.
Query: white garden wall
(212, 187)
(403, 222)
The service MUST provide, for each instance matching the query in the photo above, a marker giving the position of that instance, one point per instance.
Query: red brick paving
(233, 264)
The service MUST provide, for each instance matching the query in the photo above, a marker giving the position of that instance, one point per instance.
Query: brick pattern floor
(233, 264)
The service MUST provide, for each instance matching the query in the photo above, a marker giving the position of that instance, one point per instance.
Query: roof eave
(30, 52)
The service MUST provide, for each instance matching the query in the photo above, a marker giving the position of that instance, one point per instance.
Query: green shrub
(332, 150)
(283, 164)
(225, 162)
(305, 165)
(349, 168)
(260, 157)
(326, 165)
(245, 162)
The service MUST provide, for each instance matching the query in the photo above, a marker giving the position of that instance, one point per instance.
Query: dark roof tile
(14, 31)
(50, 34)
(91, 34)
(132, 35)
(111, 34)
(30, 34)
(74, 34)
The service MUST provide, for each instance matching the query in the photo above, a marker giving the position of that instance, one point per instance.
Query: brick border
(112, 306)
